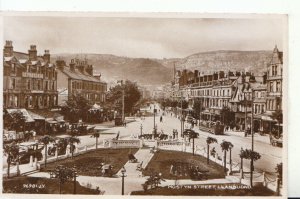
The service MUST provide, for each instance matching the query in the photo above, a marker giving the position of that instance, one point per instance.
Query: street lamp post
(123, 171)
(74, 178)
(245, 104)
(141, 129)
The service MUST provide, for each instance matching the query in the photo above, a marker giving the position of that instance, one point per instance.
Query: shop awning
(267, 116)
(36, 116)
(25, 113)
(249, 115)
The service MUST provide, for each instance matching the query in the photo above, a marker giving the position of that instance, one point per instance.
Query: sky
(143, 37)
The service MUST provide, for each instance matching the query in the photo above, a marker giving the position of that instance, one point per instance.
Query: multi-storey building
(274, 90)
(29, 80)
(77, 78)
(274, 81)
(240, 92)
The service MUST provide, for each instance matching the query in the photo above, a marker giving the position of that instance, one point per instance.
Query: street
(270, 155)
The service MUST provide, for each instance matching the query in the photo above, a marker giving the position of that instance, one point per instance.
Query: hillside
(254, 61)
(142, 70)
(160, 71)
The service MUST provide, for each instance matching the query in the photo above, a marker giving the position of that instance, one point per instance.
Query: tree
(45, 140)
(225, 147)
(197, 107)
(63, 174)
(185, 104)
(252, 156)
(12, 152)
(77, 106)
(210, 140)
(96, 135)
(227, 116)
(132, 96)
(71, 141)
(15, 120)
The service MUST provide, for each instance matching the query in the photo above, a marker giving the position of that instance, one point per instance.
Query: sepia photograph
(144, 104)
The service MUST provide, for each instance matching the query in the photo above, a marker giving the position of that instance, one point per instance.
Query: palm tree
(210, 140)
(45, 140)
(230, 159)
(12, 151)
(192, 135)
(96, 135)
(242, 156)
(253, 156)
(71, 141)
(225, 147)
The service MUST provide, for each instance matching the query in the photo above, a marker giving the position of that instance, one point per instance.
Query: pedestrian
(161, 119)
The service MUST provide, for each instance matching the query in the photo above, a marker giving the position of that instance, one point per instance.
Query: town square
(124, 107)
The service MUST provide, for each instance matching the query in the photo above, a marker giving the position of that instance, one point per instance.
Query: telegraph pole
(245, 113)
(123, 100)
(181, 118)
(252, 137)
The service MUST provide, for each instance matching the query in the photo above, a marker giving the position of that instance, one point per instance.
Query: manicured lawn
(162, 161)
(27, 185)
(87, 164)
(256, 191)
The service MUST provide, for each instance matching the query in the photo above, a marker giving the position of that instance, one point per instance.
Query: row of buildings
(31, 81)
(235, 90)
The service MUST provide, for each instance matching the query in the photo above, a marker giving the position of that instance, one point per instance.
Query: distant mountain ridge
(149, 71)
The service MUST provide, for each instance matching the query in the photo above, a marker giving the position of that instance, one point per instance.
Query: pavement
(143, 156)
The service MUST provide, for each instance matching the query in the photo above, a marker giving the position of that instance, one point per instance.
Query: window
(13, 68)
(278, 89)
(271, 87)
(28, 84)
(13, 83)
(275, 70)
(46, 85)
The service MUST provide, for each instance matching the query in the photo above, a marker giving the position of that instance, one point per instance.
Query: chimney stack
(32, 52)
(60, 64)
(72, 65)
(89, 69)
(47, 56)
(8, 49)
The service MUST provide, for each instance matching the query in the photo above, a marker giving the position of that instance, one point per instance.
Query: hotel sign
(32, 75)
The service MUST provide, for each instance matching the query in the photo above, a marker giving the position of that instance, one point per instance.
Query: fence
(175, 145)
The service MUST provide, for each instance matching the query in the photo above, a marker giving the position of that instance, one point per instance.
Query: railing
(125, 143)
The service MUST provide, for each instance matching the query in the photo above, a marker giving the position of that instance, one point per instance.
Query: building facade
(241, 92)
(77, 78)
(29, 80)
